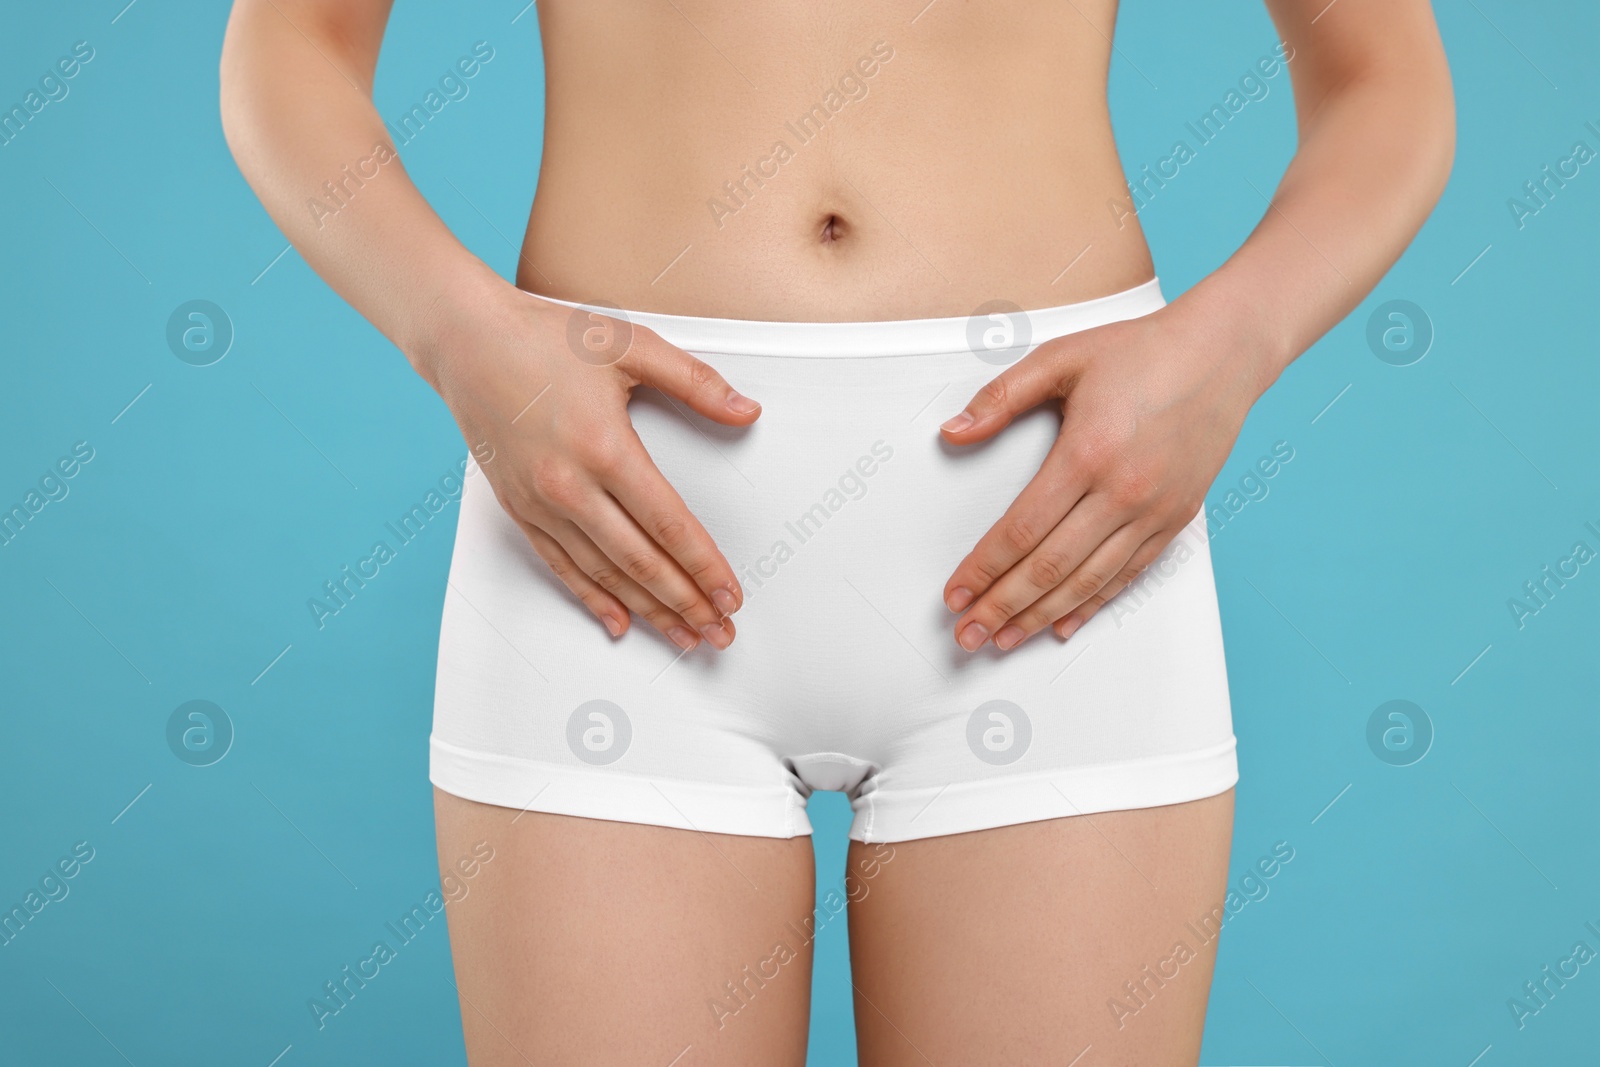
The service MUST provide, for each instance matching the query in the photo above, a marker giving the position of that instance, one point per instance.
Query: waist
(944, 263)
(996, 333)
(838, 162)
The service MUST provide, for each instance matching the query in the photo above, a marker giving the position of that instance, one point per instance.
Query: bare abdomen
(840, 162)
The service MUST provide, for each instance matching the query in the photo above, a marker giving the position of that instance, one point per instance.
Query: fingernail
(959, 423)
(1009, 636)
(740, 403)
(717, 635)
(973, 634)
(725, 601)
(958, 599)
(683, 638)
(1068, 627)
(613, 625)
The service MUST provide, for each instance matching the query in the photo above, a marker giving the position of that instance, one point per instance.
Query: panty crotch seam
(838, 771)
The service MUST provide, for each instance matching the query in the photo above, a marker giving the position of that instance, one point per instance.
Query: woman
(837, 319)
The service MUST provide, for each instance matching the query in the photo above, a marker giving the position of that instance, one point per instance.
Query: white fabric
(844, 513)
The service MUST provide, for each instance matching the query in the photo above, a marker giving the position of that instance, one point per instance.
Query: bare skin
(977, 164)
(999, 947)
(1008, 946)
(584, 942)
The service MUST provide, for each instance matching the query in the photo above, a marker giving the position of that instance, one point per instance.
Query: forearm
(298, 115)
(1373, 158)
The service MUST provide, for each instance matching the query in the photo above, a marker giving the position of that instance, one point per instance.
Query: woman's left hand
(1151, 408)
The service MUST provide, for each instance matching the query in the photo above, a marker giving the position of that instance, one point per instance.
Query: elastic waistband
(998, 331)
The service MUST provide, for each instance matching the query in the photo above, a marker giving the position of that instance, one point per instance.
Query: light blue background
(1378, 567)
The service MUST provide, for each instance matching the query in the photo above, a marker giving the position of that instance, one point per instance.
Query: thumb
(1037, 377)
(678, 374)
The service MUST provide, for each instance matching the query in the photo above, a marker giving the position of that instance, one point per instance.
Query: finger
(1037, 510)
(678, 374)
(1057, 559)
(1120, 557)
(611, 612)
(601, 570)
(1147, 554)
(1045, 373)
(644, 493)
(619, 537)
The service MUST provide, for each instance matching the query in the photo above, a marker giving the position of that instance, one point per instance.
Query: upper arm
(1333, 42)
(348, 33)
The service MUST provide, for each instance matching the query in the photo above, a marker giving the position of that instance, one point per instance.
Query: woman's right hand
(566, 463)
(296, 80)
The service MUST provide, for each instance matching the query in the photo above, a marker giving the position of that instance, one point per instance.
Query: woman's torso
(829, 160)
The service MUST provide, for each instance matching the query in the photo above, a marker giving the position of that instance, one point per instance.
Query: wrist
(1243, 332)
(467, 296)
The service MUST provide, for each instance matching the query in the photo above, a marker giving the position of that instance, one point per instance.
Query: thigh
(583, 941)
(1032, 943)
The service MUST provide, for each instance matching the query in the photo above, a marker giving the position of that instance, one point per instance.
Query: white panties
(843, 513)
